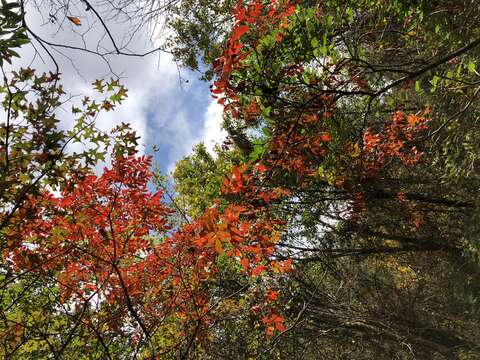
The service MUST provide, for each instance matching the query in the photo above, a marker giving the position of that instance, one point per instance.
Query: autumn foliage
(107, 238)
(324, 178)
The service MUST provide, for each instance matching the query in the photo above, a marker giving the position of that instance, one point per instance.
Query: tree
(352, 136)
(78, 246)
(346, 212)
(198, 178)
(35, 159)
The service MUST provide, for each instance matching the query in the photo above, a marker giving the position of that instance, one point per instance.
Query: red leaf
(280, 327)
(326, 137)
(290, 10)
(239, 31)
(258, 270)
(261, 168)
(272, 295)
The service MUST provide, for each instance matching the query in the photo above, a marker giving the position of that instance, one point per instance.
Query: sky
(170, 108)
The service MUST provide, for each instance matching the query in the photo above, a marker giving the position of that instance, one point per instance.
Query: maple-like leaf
(107, 105)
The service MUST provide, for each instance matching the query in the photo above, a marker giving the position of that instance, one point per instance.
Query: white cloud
(142, 76)
(157, 108)
(213, 132)
(179, 137)
(182, 138)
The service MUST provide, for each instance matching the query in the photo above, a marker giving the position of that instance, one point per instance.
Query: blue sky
(180, 119)
(165, 110)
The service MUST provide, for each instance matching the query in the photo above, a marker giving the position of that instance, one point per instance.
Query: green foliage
(386, 252)
(198, 29)
(12, 32)
(198, 178)
(377, 250)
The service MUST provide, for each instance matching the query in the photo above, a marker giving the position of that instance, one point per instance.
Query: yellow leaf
(355, 150)
(218, 246)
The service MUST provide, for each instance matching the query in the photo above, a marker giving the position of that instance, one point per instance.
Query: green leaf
(434, 82)
(471, 67)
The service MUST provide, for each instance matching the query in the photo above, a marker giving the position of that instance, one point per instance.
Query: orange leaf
(245, 263)
(413, 120)
(287, 265)
(218, 246)
(417, 220)
(276, 318)
(290, 10)
(326, 137)
(75, 20)
(236, 173)
(270, 330)
(201, 241)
